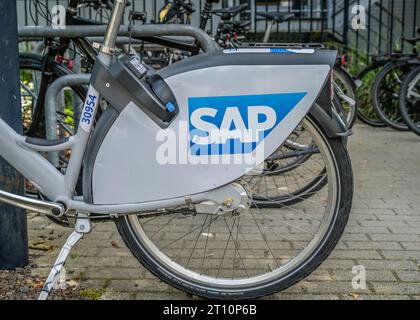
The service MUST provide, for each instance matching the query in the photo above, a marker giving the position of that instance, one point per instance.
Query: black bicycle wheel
(365, 112)
(410, 100)
(385, 93)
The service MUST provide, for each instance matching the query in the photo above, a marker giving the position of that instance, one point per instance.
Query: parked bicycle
(386, 89)
(202, 233)
(409, 100)
(379, 87)
(279, 163)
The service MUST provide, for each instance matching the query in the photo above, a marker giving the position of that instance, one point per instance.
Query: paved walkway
(383, 236)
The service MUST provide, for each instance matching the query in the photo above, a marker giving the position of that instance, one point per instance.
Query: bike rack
(152, 30)
(50, 106)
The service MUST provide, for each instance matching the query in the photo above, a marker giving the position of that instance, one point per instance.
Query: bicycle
(202, 204)
(369, 82)
(364, 82)
(386, 89)
(177, 11)
(409, 100)
(279, 162)
(229, 32)
(49, 67)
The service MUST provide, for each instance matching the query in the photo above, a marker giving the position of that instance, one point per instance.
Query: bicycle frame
(58, 187)
(305, 78)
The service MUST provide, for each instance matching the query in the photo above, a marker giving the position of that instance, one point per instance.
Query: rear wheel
(410, 100)
(365, 111)
(385, 94)
(259, 252)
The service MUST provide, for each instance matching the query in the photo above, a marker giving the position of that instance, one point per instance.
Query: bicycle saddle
(232, 11)
(278, 17)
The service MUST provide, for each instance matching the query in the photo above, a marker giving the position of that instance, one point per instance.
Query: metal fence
(387, 21)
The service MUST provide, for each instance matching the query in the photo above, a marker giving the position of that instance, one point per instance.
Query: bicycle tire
(365, 112)
(406, 105)
(389, 112)
(141, 249)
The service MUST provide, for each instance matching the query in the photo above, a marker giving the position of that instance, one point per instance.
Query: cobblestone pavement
(383, 235)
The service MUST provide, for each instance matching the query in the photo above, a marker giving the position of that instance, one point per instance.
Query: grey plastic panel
(105, 122)
(319, 57)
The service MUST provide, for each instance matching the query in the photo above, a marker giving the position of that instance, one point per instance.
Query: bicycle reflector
(343, 60)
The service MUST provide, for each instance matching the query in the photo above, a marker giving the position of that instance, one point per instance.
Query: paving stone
(286, 296)
(389, 265)
(373, 245)
(356, 254)
(408, 276)
(371, 275)
(390, 288)
(401, 254)
(411, 238)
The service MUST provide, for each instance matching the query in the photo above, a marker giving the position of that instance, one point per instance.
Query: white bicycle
(191, 221)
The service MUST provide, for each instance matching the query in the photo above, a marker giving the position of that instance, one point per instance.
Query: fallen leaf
(115, 244)
(72, 283)
(40, 246)
(38, 284)
(355, 296)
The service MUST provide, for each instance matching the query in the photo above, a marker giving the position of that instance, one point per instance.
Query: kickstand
(82, 227)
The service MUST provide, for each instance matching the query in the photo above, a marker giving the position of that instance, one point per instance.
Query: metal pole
(53, 91)
(13, 226)
(203, 39)
(346, 21)
(76, 101)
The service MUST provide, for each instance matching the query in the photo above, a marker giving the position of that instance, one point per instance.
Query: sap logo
(235, 124)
